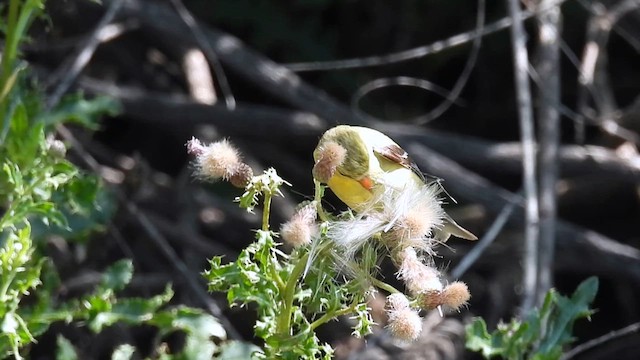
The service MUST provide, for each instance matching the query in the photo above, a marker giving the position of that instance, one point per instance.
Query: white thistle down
(414, 210)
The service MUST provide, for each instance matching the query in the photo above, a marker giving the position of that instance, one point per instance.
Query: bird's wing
(396, 154)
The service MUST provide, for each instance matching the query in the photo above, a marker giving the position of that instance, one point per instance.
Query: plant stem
(272, 270)
(9, 53)
(265, 211)
(284, 319)
(331, 315)
(317, 197)
(8, 58)
(384, 286)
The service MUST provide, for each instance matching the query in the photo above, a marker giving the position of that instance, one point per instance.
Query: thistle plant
(332, 269)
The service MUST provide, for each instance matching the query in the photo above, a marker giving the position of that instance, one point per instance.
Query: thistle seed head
(405, 324)
(456, 295)
(329, 156)
(299, 230)
(417, 276)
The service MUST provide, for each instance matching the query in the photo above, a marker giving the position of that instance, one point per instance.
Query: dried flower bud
(414, 212)
(430, 300)
(405, 324)
(418, 277)
(396, 302)
(455, 295)
(328, 157)
(413, 227)
(219, 160)
(241, 175)
(195, 147)
(301, 227)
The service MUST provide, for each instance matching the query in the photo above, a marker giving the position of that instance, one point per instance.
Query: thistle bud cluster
(412, 250)
(404, 323)
(329, 156)
(219, 160)
(299, 230)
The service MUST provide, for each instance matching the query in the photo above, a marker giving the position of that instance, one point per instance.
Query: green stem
(317, 197)
(265, 211)
(273, 272)
(9, 54)
(7, 284)
(332, 315)
(384, 286)
(284, 319)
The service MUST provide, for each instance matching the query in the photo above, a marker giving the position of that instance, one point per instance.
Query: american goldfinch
(358, 163)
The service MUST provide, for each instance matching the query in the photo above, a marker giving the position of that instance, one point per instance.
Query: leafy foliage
(293, 294)
(542, 335)
(41, 193)
(35, 180)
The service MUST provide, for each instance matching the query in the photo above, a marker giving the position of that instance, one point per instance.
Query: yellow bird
(356, 161)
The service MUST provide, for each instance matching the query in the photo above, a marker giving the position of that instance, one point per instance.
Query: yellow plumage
(371, 164)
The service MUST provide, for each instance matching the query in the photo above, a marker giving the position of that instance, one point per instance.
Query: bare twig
(461, 82)
(594, 79)
(587, 250)
(259, 120)
(398, 81)
(527, 136)
(198, 76)
(613, 335)
(196, 286)
(592, 61)
(255, 122)
(272, 78)
(70, 69)
(414, 53)
(195, 241)
(451, 97)
(548, 68)
(108, 33)
(623, 7)
(487, 239)
(206, 47)
(608, 122)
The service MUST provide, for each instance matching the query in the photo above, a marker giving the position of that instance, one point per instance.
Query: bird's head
(341, 150)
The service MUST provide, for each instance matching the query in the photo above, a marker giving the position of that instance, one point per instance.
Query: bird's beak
(366, 183)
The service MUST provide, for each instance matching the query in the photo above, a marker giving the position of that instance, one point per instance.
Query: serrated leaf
(131, 310)
(118, 275)
(237, 350)
(76, 109)
(569, 309)
(198, 322)
(478, 338)
(544, 333)
(123, 352)
(64, 349)
(198, 348)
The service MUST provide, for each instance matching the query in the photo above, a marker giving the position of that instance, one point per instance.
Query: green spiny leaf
(118, 275)
(64, 349)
